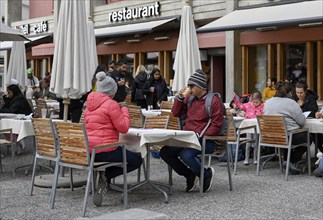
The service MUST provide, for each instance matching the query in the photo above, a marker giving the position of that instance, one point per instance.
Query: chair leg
(202, 166)
(71, 179)
(88, 183)
(33, 176)
(139, 174)
(13, 163)
(125, 175)
(229, 169)
(309, 154)
(170, 175)
(258, 159)
(54, 185)
(236, 159)
(287, 162)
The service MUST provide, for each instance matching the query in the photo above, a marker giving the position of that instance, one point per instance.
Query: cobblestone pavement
(267, 196)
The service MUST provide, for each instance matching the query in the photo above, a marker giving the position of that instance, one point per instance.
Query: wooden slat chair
(273, 133)
(46, 143)
(174, 122)
(74, 152)
(4, 142)
(221, 149)
(234, 138)
(166, 105)
(82, 116)
(136, 117)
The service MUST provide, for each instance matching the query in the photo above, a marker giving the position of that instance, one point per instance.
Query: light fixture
(162, 38)
(110, 42)
(134, 41)
(313, 24)
(270, 28)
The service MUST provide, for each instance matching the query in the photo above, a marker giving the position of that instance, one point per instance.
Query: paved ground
(267, 196)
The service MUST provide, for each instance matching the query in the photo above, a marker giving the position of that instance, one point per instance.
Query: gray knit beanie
(198, 79)
(106, 84)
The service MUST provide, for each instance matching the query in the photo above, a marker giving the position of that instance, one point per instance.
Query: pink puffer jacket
(104, 120)
(250, 109)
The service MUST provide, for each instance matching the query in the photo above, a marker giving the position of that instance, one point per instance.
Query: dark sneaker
(292, 169)
(208, 179)
(98, 194)
(191, 182)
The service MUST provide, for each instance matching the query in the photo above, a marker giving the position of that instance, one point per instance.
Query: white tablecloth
(146, 113)
(23, 128)
(137, 138)
(314, 125)
(52, 104)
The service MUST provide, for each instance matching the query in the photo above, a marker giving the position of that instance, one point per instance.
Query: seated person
(270, 90)
(104, 120)
(306, 98)
(16, 102)
(43, 91)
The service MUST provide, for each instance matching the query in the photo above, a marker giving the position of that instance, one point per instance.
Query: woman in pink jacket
(252, 108)
(104, 120)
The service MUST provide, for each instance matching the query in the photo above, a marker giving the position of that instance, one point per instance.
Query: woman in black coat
(16, 102)
(137, 95)
(155, 89)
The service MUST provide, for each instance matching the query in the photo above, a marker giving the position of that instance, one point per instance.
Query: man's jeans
(184, 160)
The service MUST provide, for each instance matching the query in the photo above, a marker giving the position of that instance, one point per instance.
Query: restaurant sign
(36, 29)
(135, 13)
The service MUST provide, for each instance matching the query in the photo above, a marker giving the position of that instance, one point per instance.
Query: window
(295, 60)
(257, 68)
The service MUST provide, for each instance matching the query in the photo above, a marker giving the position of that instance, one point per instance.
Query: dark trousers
(296, 153)
(134, 161)
(184, 160)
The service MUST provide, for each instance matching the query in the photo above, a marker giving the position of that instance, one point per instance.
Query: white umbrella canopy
(187, 58)
(71, 72)
(9, 34)
(18, 64)
(92, 46)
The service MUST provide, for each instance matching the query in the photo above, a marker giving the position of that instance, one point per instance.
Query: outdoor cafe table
(153, 112)
(139, 140)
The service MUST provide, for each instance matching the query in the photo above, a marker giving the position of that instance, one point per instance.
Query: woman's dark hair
(301, 85)
(154, 71)
(284, 89)
(15, 90)
(99, 68)
(273, 79)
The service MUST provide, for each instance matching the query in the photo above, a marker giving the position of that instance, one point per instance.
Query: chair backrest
(231, 131)
(41, 104)
(272, 129)
(166, 105)
(136, 117)
(174, 122)
(46, 144)
(82, 116)
(160, 121)
(73, 143)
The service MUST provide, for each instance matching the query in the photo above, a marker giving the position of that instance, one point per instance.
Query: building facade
(146, 32)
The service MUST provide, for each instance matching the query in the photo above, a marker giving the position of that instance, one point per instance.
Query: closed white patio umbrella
(18, 65)
(187, 58)
(92, 47)
(71, 72)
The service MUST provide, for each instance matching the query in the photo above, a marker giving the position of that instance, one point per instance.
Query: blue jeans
(134, 161)
(184, 160)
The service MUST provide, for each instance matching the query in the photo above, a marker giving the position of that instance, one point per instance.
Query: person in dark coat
(306, 98)
(155, 89)
(137, 95)
(16, 102)
(119, 76)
